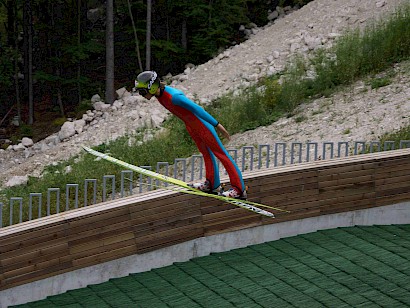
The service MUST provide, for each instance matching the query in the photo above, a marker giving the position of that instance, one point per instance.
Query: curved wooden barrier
(76, 239)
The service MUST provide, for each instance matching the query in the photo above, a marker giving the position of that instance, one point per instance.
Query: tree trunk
(16, 66)
(28, 51)
(148, 40)
(184, 40)
(56, 9)
(78, 45)
(109, 83)
(11, 20)
(59, 95)
(137, 48)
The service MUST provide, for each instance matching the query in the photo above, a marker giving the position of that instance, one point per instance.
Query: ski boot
(235, 193)
(206, 188)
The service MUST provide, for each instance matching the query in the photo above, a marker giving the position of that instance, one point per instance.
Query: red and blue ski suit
(201, 127)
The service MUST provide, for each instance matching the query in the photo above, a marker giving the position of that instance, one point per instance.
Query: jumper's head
(147, 82)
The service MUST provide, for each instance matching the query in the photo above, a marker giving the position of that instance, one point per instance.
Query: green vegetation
(355, 55)
(396, 136)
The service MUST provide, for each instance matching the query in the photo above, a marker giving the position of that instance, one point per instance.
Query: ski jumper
(201, 127)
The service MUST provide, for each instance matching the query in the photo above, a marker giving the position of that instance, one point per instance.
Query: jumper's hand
(223, 131)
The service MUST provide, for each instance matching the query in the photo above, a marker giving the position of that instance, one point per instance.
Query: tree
(137, 48)
(109, 85)
(148, 38)
(28, 52)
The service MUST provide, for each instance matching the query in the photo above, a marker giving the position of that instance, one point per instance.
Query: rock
(122, 93)
(156, 120)
(19, 147)
(134, 115)
(52, 140)
(44, 147)
(118, 104)
(100, 106)
(27, 153)
(17, 180)
(67, 131)
(95, 98)
(27, 142)
(380, 4)
(79, 125)
(273, 15)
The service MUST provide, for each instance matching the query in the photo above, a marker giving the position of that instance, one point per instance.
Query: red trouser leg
(211, 167)
(210, 146)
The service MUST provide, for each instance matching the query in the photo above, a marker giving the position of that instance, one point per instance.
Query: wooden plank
(100, 237)
(347, 189)
(226, 217)
(168, 238)
(115, 225)
(99, 218)
(27, 247)
(166, 217)
(97, 250)
(240, 223)
(345, 175)
(299, 205)
(394, 185)
(393, 191)
(144, 247)
(31, 237)
(61, 267)
(337, 184)
(295, 215)
(392, 170)
(380, 183)
(340, 179)
(290, 188)
(161, 202)
(24, 227)
(346, 169)
(32, 257)
(38, 267)
(393, 161)
(275, 180)
(348, 198)
(146, 229)
(169, 233)
(222, 206)
(392, 199)
(104, 256)
(269, 198)
(164, 211)
(346, 206)
(32, 227)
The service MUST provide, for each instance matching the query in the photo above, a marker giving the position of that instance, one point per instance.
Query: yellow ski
(247, 205)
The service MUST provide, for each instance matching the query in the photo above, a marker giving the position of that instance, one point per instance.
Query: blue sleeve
(183, 101)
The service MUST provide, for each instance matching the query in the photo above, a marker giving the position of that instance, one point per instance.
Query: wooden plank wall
(68, 241)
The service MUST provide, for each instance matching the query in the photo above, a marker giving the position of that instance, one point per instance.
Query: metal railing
(247, 158)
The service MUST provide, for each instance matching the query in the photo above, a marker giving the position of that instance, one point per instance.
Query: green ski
(248, 205)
